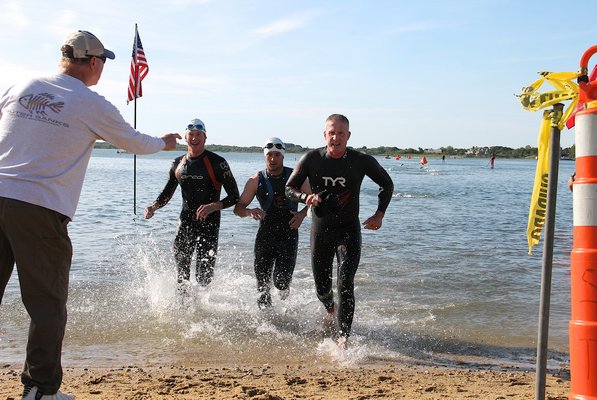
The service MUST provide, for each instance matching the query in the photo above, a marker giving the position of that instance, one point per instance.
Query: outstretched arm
(170, 140)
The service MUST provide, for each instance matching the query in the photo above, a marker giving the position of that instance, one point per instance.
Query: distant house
(478, 151)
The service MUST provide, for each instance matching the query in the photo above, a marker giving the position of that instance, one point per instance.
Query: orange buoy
(423, 160)
(583, 258)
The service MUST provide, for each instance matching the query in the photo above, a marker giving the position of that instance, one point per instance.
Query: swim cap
(196, 125)
(274, 144)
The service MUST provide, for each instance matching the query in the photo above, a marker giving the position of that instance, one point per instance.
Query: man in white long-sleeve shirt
(48, 127)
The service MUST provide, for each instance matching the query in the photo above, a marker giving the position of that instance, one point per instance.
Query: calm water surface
(446, 280)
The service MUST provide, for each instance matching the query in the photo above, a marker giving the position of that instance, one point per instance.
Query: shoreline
(273, 382)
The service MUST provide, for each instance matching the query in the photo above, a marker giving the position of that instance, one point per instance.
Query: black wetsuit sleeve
(380, 176)
(169, 189)
(295, 182)
(230, 186)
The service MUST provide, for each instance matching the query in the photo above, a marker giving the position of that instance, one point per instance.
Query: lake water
(446, 280)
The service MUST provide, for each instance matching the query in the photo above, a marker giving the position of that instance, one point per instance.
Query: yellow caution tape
(538, 206)
(566, 89)
(532, 100)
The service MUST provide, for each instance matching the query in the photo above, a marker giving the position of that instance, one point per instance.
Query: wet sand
(273, 382)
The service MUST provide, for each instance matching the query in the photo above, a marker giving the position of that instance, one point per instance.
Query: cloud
(174, 83)
(281, 26)
(62, 23)
(13, 73)
(41, 24)
(13, 14)
(189, 82)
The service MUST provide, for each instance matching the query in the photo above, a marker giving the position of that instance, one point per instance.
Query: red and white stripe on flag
(139, 69)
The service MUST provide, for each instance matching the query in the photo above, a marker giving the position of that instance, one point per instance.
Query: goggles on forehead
(197, 127)
(278, 146)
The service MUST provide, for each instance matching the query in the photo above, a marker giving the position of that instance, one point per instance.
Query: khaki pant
(36, 239)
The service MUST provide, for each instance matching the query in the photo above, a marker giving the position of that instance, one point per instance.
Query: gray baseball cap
(86, 44)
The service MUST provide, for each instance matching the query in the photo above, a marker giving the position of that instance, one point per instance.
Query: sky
(410, 73)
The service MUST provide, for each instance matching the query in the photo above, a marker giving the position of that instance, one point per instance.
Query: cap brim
(109, 54)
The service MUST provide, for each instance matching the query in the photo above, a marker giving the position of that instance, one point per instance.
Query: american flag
(139, 69)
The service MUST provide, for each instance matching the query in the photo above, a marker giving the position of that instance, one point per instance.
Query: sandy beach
(268, 382)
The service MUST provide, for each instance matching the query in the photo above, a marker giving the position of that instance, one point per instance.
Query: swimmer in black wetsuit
(200, 174)
(276, 242)
(335, 174)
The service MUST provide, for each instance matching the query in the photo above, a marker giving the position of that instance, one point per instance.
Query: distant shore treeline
(499, 151)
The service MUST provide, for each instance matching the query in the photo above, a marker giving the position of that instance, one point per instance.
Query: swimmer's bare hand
(149, 211)
(257, 214)
(313, 200)
(205, 209)
(374, 222)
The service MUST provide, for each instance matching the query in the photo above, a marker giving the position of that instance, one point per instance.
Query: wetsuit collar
(194, 157)
(276, 175)
(328, 155)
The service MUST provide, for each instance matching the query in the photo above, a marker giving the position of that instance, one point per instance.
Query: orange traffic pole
(583, 258)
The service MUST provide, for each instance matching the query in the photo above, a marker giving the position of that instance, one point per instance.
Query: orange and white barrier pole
(583, 259)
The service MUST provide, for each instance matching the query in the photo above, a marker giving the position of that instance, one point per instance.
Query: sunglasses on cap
(277, 145)
(193, 127)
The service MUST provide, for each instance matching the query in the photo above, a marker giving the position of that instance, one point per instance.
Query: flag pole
(135, 126)
(139, 69)
(544, 304)
(135, 166)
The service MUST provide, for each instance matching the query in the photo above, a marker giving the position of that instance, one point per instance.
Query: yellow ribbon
(539, 198)
(566, 89)
(532, 100)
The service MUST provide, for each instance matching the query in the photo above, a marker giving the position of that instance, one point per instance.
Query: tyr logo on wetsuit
(329, 181)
